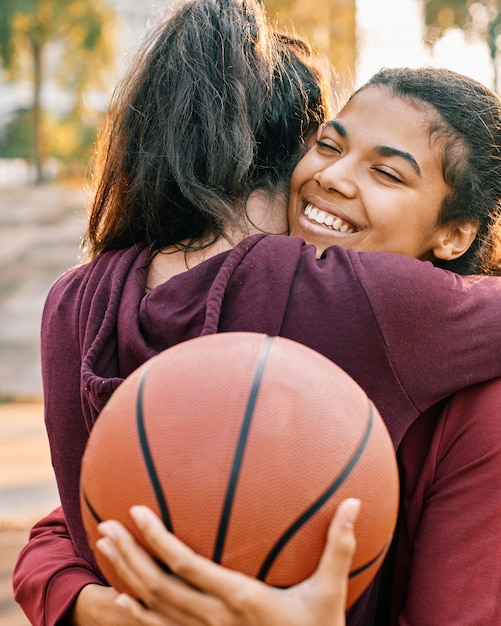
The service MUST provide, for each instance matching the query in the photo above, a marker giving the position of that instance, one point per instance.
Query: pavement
(27, 491)
(40, 233)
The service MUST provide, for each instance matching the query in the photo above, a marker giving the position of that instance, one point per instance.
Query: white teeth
(321, 217)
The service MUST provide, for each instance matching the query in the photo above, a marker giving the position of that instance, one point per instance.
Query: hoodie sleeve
(410, 333)
(80, 368)
(441, 331)
(66, 424)
(48, 576)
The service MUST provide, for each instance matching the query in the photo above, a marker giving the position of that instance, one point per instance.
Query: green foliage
(330, 25)
(83, 31)
(16, 138)
(6, 40)
(80, 34)
(70, 139)
(443, 14)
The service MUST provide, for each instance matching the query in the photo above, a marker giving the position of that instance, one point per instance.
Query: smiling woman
(408, 333)
(407, 166)
(371, 171)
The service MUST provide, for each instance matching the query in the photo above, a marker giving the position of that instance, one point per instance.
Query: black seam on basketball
(239, 452)
(370, 563)
(148, 459)
(90, 507)
(318, 504)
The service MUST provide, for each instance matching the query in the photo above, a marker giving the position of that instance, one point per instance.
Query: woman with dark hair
(163, 269)
(411, 164)
(456, 116)
(215, 108)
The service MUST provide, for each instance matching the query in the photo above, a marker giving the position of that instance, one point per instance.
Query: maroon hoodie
(409, 333)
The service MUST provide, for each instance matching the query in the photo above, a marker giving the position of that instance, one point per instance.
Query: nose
(339, 176)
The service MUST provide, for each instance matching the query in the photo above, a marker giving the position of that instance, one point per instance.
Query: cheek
(297, 175)
(295, 187)
(304, 171)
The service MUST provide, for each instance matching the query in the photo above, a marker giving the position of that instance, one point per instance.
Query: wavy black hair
(216, 105)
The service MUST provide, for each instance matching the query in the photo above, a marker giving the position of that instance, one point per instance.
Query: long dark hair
(216, 105)
(468, 125)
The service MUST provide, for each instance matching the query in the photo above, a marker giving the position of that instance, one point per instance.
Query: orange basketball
(244, 444)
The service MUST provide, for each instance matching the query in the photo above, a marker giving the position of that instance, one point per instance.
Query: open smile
(331, 221)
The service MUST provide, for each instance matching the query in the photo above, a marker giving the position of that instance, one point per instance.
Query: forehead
(378, 107)
(376, 116)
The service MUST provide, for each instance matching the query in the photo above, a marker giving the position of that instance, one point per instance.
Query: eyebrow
(382, 150)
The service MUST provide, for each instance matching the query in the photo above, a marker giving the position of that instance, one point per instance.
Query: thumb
(334, 565)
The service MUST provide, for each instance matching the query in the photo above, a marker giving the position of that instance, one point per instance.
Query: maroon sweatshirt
(410, 334)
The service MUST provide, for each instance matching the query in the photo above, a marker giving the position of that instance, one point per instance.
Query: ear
(454, 239)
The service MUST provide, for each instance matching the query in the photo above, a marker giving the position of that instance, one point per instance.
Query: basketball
(244, 445)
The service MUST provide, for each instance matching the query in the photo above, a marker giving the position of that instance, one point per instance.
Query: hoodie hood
(121, 325)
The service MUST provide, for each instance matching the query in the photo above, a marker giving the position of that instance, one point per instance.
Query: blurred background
(59, 60)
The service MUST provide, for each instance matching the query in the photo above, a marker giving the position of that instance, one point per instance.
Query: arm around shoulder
(433, 319)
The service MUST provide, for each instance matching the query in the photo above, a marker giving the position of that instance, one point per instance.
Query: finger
(341, 544)
(116, 545)
(184, 562)
(146, 580)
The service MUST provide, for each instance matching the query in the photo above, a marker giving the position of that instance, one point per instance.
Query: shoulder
(471, 422)
(104, 269)
(84, 289)
(376, 272)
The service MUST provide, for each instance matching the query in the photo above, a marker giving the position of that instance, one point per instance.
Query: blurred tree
(15, 140)
(475, 17)
(79, 34)
(329, 25)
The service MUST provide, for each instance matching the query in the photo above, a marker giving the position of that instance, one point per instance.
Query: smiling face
(373, 181)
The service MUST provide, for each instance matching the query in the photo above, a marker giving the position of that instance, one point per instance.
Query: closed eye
(322, 143)
(388, 174)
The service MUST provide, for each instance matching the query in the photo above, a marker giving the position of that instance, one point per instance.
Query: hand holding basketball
(319, 601)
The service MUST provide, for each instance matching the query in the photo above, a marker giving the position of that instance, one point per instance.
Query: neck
(265, 214)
